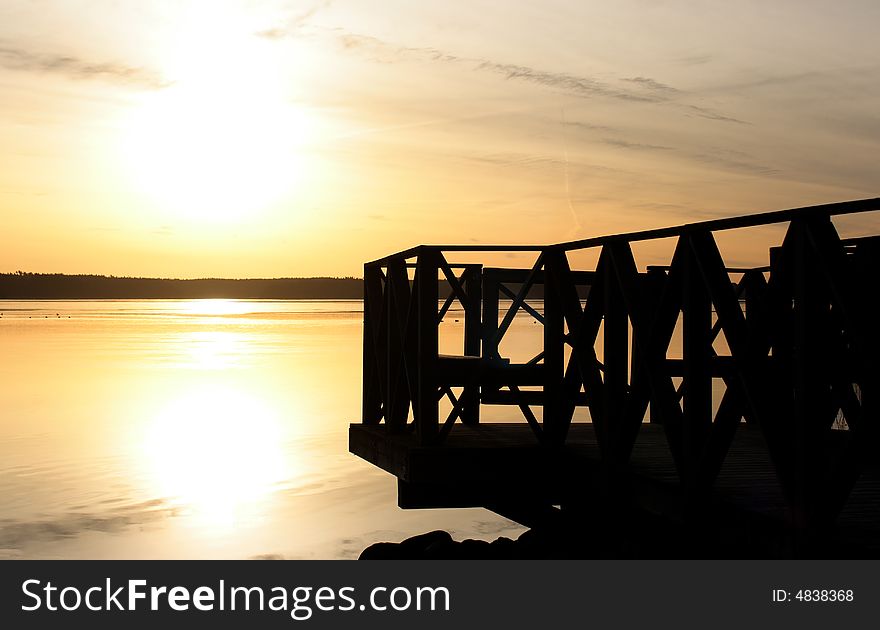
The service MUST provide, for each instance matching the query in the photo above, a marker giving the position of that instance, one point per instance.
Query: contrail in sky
(577, 222)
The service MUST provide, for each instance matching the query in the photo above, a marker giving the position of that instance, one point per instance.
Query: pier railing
(800, 359)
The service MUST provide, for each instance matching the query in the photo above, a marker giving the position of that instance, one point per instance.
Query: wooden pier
(789, 450)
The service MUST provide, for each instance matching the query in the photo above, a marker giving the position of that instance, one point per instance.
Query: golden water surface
(192, 429)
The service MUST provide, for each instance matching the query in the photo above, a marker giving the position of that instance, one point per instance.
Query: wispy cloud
(647, 89)
(537, 162)
(644, 89)
(723, 159)
(652, 84)
(296, 22)
(20, 59)
(623, 144)
(734, 161)
(587, 126)
(513, 159)
(442, 120)
(695, 60)
(811, 84)
(710, 114)
(573, 84)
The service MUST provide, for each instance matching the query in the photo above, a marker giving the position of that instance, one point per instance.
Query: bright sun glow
(216, 452)
(213, 350)
(223, 140)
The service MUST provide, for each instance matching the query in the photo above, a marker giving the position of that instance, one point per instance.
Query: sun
(223, 140)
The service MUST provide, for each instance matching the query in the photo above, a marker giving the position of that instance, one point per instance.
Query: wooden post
(554, 351)
(697, 376)
(489, 325)
(861, 366)
(491, 296)
(397, 292)
(811, 387)
(426, 403)
(778, 400)
(470, 413)
(616, 361)
(373, 373)
(756, 325)
(655, 279)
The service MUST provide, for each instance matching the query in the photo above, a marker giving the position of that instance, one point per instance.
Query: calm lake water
(193, 429)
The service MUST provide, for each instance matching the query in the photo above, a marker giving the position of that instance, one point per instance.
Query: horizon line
(19, 273)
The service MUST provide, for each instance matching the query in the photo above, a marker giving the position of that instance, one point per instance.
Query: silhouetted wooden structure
(792, 443)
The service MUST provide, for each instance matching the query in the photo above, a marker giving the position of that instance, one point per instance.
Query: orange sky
(245, 138)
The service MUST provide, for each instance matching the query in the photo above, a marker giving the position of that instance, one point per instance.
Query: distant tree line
(56, 286)
(22, 285)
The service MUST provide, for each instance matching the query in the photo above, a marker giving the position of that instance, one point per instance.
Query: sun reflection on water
(215, 307)
(217, 453)
(214, 350)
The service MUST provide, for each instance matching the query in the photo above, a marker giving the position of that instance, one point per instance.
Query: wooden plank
(616, 358)
(757, 322)
(425, 405)
(809, 361)
(373, 373)
(473, 285)
(654, 284)
(412, 252)
(489, 339)
(563, 286)
(634, 295)
(697, 378)
(584, 367)
(776, 417)
(715, 225)
(398, 300)
(653, 325)
(731, 223)
(554, 353)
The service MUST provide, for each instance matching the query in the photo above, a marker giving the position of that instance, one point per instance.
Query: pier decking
(789, 449)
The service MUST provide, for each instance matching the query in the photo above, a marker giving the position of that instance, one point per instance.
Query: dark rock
(440, 549)
(382, 551)
(414, 548)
